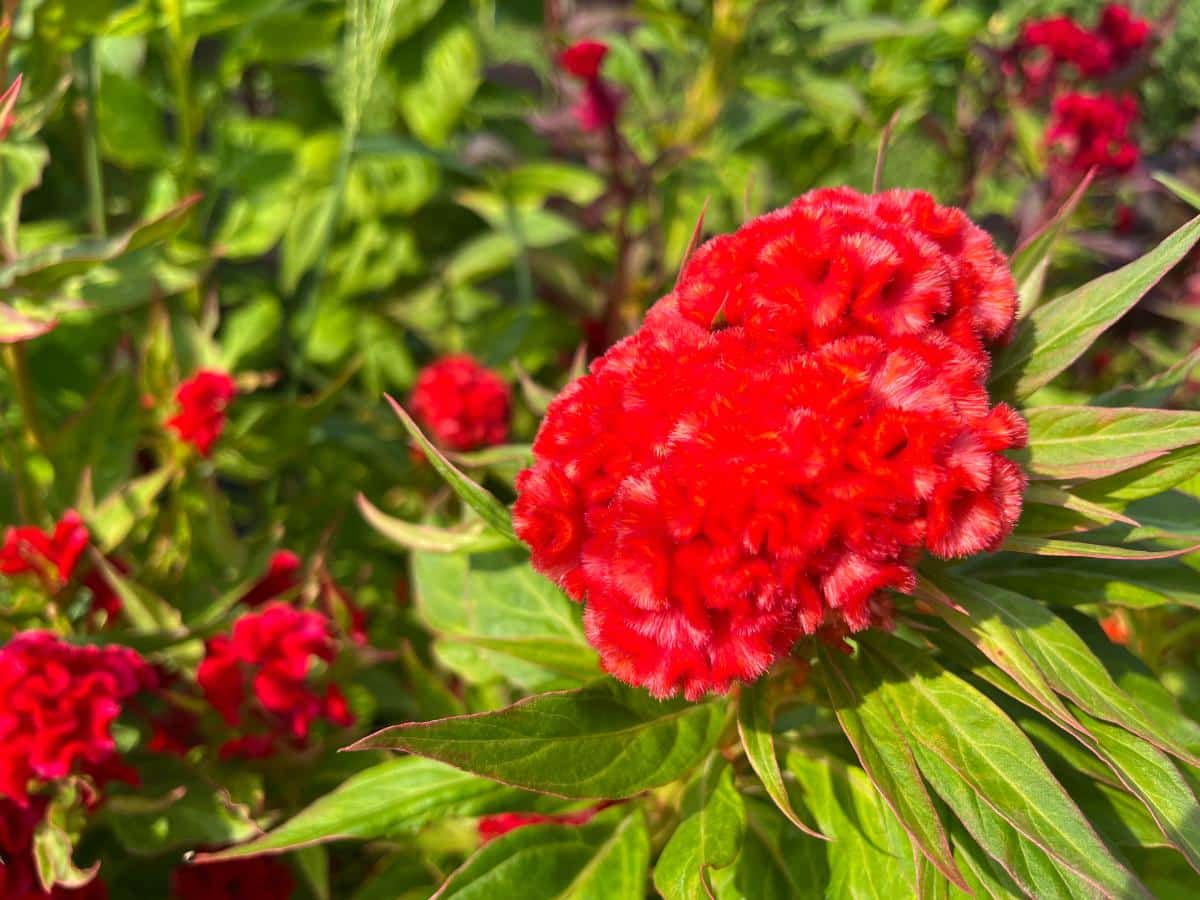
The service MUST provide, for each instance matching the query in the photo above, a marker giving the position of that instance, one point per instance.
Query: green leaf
(1153, 778)
(1042, 494)
(413, 536)
(119, 512)
(994, 767)
(1086, 442)
(1040, 546)
(438, 78)
(709, 834)
(489, 508)
(1058, 333)
(131, 122)
(603, 740)
(1031, 260)
(21, 168)
(525, 617)
(777, 861)
(606, 858)
(1184, 192)
(885, 752)
(147, 612)
(1070, 667)
(45, 269)
(386, 800)
(755, 721)
(869, 853)
(1079, 583)
(1145, 480)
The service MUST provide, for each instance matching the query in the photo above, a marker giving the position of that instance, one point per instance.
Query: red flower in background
(463, 405)
(202, 401)
(1124, 34)
(18, 870)
(282, 579)
(781, 440)
(1089, 130)
(49, 556)
(491, 827)
(57, 706)
(598, 106)
(269, 657)
(257, 878)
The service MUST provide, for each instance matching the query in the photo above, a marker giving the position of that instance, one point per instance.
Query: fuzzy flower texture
(781, 440)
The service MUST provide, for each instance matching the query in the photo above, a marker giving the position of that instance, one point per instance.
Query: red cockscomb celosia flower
(781, 440)
(583, 59)
(50, 556)
(57, 706)
(463, 405)
(1124, 34)
(18, 870)
(270, 655)
(1089, 130)
(258, 878)
(202, 401)
(282, 579)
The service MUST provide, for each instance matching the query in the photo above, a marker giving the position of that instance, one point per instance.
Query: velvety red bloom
(1092, 130)
(18, 870)
(257, 878)
(784, 436)
(463, 405)
(282, 579)
(491, 827)
(50, 556)
(269, 657)
(583, 59)
(1124, 34)
(57, 706)
(202, 401)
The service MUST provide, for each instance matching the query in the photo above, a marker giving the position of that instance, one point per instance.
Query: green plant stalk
(179, 52)
(18, 366)
(89, 64)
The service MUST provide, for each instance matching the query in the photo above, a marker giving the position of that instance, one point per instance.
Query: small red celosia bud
(202, 401)
(583, 59)
(784, 436)
(463, 405)
(282, 579)
(261, 878)
(50, 556)
(1092, 130)
(269, 655)
(57, 706)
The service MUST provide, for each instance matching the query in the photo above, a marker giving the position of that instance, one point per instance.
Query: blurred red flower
(57, 706)
(282, 579)
(269, 656)
(49, 556)
(257, 878)
(202, 401)
(463, 405)
(1088, 130)
(491, 827)
(780, 441)
(598, 104)
(583, 59)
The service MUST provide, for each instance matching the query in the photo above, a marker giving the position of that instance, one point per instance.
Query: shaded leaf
(709, 834)
(1031, 260)
(414, 536)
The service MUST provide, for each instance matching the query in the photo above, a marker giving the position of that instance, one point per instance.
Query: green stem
(18, 365)
(179, 52)
(89, 64)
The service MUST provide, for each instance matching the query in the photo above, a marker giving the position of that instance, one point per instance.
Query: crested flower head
(1089, 130)
(49, 556)
(788, 432)
(58, 703)
(463, 405)
(202, 401)
(269, 658)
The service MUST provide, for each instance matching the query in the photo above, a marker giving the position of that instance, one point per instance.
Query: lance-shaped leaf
(1058, 333)
(869, 852)
(1087, 442)
(489, 508)
(117, 514)
(606, 858)
(428, 537)
(16, 327)
(708, 837)
(777, 862)
(384, 801)
(45, 269)
(1041, 546)
(884, 750)
(756, 704)
(146, 611)
(1069, 665)
(603, 740)
(1031, 260)
(1079, 582)
(1151, 776)
(1184, 192)
(1145, 480)
(1042, 494)
(975, 757)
